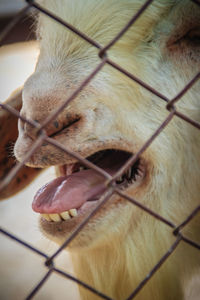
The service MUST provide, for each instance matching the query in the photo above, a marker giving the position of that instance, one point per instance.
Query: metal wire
(111, 186)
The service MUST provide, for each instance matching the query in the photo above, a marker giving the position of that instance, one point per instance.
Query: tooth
(133, 179)
(140, 172)
(69, 169)
(137, 177)
(73, 212)
(81, 168)
(129, 172)
(46, 217)
(65, 215)
(55, 217)
(120, 179)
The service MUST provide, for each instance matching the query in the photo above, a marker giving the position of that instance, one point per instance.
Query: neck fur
(116, 268)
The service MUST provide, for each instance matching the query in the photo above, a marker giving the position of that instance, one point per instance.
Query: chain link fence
(110, 180)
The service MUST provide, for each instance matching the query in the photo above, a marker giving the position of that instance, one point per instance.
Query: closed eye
(192, 37)
(186, 46)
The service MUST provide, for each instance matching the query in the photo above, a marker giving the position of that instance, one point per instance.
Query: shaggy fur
(121, 244)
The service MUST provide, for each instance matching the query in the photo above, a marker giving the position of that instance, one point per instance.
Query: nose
(40, 101)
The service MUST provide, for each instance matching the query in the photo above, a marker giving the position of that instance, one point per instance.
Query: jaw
(93, 232)
(60, 231)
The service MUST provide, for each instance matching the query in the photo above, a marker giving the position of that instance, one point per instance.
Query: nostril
(60, 126)
(56, 124)
(55, 127)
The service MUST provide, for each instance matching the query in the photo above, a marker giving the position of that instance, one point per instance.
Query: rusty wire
(111, 187)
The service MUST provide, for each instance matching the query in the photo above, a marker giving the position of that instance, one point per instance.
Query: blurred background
(9, 7)
(24, 30)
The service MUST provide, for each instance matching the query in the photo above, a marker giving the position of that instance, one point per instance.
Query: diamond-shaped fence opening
(112, 188)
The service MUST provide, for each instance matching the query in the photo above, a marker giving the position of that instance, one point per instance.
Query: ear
(8, 136)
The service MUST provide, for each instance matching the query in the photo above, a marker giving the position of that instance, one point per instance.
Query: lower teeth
(66, 215)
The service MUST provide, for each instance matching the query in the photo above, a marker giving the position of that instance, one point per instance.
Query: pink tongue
(67, 192)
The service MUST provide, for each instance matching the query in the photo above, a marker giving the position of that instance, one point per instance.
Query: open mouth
(77, 186)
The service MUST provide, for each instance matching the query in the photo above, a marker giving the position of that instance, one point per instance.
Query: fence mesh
(110, 180)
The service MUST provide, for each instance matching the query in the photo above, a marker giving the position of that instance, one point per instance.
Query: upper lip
(76, 145)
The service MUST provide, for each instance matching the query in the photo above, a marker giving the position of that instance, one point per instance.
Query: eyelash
(193, 36)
